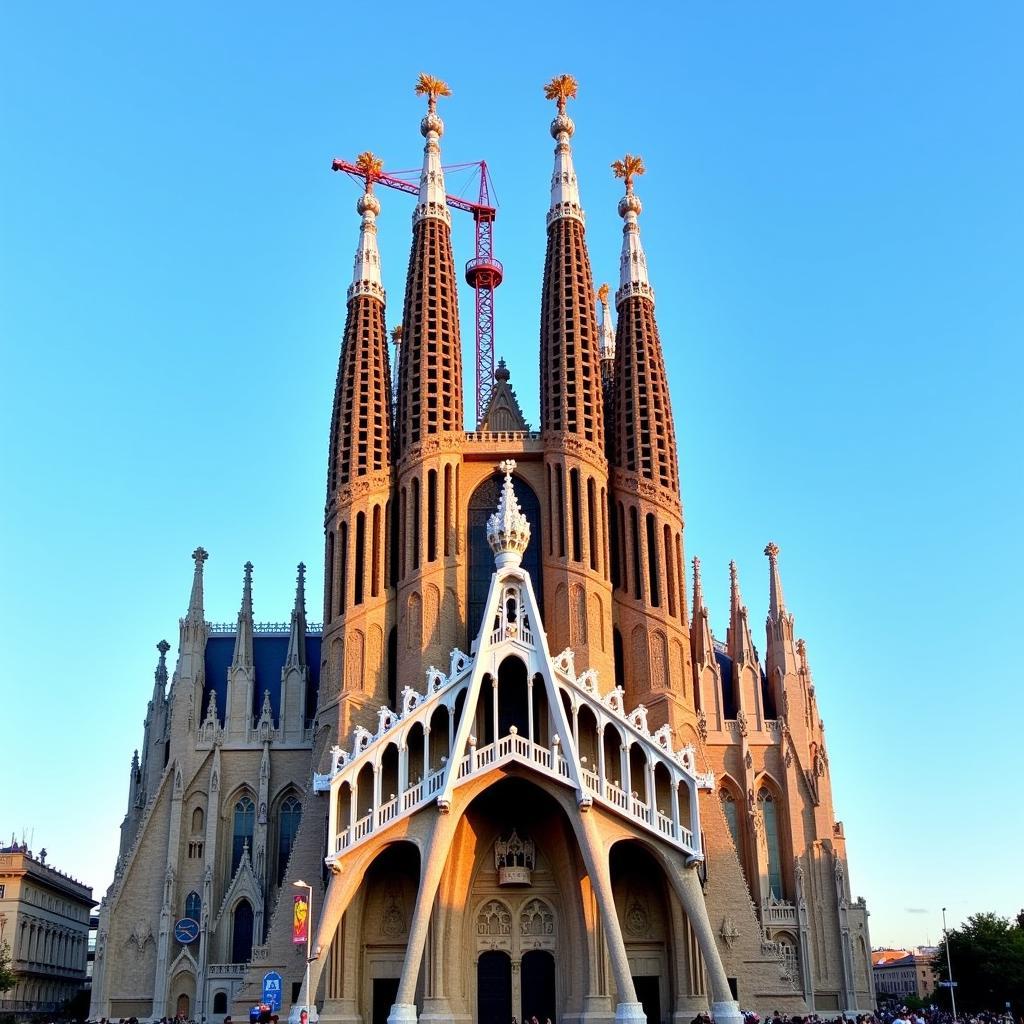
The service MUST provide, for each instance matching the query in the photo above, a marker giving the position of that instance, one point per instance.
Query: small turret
(192, 628)
(738, 640)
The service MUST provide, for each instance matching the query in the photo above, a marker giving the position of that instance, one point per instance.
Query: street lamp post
(949, 964)
(309, 934)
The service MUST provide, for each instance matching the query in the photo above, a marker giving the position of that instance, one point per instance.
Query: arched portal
(481, 559)
(513, 697)
(538, 970)
(494, 988)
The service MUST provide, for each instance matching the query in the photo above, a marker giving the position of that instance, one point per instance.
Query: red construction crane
(483, 272)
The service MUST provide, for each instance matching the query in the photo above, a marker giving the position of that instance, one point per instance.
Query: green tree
(7, 977)
(988, 963)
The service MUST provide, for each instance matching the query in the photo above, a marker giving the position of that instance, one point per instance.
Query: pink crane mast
(484, 273)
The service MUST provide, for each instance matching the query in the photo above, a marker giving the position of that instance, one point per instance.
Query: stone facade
(675, 790)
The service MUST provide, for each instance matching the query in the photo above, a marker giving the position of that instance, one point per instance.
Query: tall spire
(739, 642)
(644, 429)
(565, 189)
(633, 279)
(160, 675)
(776, 602)
(361, 419)
(195, 601)
(243, 640)
(571, 399)
(366, 279)
(700, 630)
(432, 200)
(297, 640)
(430, 367)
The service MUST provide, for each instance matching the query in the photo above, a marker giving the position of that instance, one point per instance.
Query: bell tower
(650, 602)
(577, 577)
(357, 609)
(429, 427)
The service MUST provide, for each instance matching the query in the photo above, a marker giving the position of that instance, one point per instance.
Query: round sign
(186, 931)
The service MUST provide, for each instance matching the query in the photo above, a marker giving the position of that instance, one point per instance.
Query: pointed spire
(633, 279)
(776, 602)
(565, 189)
(195, 601)
(297, 641)
(243, 640)
(366, 279)
(432, 200)
(607, 339)
(700, 630)
(739, 642)
(508, 530)
(160, 675)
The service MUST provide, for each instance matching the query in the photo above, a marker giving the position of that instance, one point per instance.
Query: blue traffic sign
(272, 985)
(186, 931)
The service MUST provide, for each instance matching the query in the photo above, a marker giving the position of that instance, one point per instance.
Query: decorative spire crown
(633, 279)
(297, 639)
(160, 676)
(432, 201)
(698, 587)
(366, 279)
(565, 189)
(508, 530)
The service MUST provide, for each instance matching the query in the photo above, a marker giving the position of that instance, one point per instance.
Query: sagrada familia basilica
(514, 768)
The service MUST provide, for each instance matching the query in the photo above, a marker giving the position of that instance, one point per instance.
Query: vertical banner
(300, 920)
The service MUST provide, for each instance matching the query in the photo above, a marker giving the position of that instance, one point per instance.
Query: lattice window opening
(537, 921)
(494, 920)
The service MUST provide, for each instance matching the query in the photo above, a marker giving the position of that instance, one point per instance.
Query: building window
(220, 1002)
(241, 933)
(193, 906)
(288, 824)
(1, 892)
(770, 819)
(245, 820)
(195, 850)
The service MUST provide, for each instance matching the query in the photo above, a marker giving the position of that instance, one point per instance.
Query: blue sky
(833, 222)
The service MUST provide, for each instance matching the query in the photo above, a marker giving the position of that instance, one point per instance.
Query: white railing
(509, 748)
(778, 914)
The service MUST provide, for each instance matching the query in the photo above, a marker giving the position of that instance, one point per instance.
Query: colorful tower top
(360, 434)
(430, 357)
(633, 278)
(366, 278)
(645, 438)
(571, 400)
(565, 189)
(432, 202)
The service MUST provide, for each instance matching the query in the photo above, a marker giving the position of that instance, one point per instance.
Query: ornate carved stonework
(638, 921)
(514, 859)
(729, 932)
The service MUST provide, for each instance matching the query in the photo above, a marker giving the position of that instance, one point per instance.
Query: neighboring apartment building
(902, 972)
(44, 917)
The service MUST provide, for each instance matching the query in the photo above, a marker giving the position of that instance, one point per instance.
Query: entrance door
(648, 991)
(183, 1006)
(538, 986)
(493, 988)
(385, 991)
